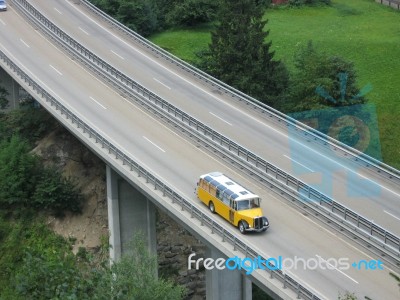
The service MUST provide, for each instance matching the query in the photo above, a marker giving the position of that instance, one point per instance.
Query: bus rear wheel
(211, 207)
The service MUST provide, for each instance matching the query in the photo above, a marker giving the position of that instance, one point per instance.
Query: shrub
(55, 192)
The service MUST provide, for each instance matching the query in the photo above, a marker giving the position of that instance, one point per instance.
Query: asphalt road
(349, 183)
(179, 162)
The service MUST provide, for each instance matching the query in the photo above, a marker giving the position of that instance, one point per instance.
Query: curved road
(348, 183)
(180, 163)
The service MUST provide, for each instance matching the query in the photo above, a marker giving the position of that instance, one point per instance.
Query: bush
(55, 192)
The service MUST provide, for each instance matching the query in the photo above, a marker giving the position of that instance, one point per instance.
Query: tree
(321, 81)
(18, 171)
(239, 55)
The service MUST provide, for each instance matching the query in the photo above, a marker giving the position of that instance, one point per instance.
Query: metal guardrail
(383, 239)
(358, 156)
(152, 180)
(396, 3)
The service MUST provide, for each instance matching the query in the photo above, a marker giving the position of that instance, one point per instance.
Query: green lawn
(361, 31)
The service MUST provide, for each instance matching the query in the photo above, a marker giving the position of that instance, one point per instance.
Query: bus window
(243, 204)
(254, 203)
(220, 190)
(225, 199)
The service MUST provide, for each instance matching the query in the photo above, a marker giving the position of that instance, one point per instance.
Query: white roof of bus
(231, 185)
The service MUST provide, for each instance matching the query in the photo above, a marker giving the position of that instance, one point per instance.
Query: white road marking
(2, 22)
(23, 42)
(295, 161)
(154, 144)
(334, 268)
(220, 118)
(162, 83)
(362, 176)
(56, 70)
(392, 215)
(218, 99)
(98, 102)
(58, 11)
(116, 54)
(85, 32)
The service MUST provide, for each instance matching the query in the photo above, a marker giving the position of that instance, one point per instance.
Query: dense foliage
(18, 171)
(36, 263)
(189, 12)
(149, 16)
(24, 182)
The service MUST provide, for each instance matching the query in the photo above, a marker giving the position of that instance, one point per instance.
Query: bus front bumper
(251, 229)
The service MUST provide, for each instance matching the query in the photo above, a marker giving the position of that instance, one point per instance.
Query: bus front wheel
(211, 207)
(242, 227)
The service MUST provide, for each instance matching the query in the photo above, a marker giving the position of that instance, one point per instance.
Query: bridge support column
(128, 212)
(12, 88)
(226, 284)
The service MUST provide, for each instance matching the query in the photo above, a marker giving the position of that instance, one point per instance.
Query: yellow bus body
(253, 217)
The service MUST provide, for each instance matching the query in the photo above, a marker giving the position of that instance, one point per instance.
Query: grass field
(362, 31)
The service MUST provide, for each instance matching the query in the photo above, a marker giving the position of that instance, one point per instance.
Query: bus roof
(224, 183)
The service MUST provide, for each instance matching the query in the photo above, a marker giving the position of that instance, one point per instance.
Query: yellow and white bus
(233, 202)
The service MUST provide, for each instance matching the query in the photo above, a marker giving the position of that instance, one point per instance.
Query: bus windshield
(248, 204)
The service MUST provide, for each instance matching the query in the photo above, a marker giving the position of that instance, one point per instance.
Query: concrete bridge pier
(226, 284)
(12, 87)
(128, 212)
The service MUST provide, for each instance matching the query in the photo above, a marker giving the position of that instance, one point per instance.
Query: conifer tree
(239, 54)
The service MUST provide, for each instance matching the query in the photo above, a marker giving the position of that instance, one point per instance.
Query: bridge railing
(151, 180)
(308, 131)
(386, 241)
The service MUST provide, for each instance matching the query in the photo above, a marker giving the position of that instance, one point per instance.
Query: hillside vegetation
(360, 31)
